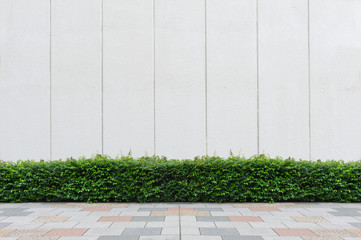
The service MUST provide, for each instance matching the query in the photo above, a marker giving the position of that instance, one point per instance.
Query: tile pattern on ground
(186, 221)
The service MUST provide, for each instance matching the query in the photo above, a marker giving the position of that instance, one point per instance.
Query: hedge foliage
(155, 179)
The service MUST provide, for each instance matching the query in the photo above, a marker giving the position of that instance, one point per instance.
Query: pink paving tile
(115, 219)
(66, 232)
(294, 232)
(94, 209)
(265, 209)
(245, 219)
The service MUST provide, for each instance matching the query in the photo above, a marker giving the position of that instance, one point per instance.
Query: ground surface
(170, 221)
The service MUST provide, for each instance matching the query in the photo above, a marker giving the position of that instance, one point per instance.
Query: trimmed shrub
(155, 179)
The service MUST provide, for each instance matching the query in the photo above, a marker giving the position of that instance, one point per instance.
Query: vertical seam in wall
(154, 112)
(309, 80)
(50, 82)
(102, 74)
(257, 50)
(206, 73)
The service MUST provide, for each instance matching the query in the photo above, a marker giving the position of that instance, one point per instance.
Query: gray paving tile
(212, 219)
(169, 237)
(130, 237)
(351, 212)
(148, 219)
(141, 231)
(356, 224)
(219, 231)
(208, 209)
(14, 212)
(4, 224)
(142, 209)
(242, 238)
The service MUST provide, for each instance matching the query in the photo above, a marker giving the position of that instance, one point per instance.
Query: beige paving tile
(28, 233)
(332, 233)
(4, 232)
(355, 232)
(37, 238)
(52, 219)
(195, 213)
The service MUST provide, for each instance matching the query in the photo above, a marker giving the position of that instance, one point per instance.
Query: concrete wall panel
(283, 78)
(24, 80)
(128, 77)
(76, 78)
(232, 77)
(336, 79)
(180, 78)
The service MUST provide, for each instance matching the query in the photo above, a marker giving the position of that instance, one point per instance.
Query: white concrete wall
(180, 78)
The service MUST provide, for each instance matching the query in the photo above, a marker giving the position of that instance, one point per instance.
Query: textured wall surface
(180, 78)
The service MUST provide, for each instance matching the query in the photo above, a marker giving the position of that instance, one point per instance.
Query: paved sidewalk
(180, 221)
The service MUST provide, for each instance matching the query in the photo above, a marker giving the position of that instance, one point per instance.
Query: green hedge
(206, 179)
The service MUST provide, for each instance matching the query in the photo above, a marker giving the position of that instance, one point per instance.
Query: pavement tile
(195, 237)
(281, 238)
(116, 237)
(245, 219)
(356, 224)
(96, 209)
(93, 225)
(336, 225)
(293, 232)
(310, 225)
(256, 232)
(212, 219)
(51, 225)
(264, 209)
(356, 232)
(104, 232)
(235, 213)
(170, 231)
(37, 238)
(190, 231)
(5, 232)
(163, 213)
(51, 219)
(198, 224)
(310, 219)
(128, 225)
(169, 237)
(115, 219)
(182, 209)
(208, 209)
(79, 238)
(334, 233)
(219, 231)
(20, 225)
(148, 219)
(4, 224)
(143, 209)
(141, 231)
(31, 233)
(162, 224)
(66, 232)
(132, 214)
(323, 238)
(267, 225)
(345, 238)
(195, 213)
(240, 225)
(242, 238)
